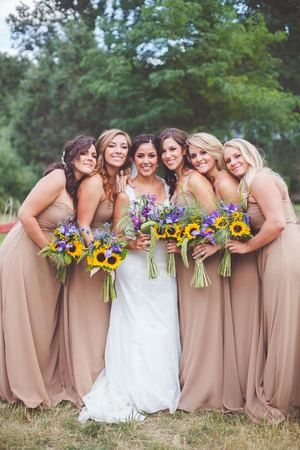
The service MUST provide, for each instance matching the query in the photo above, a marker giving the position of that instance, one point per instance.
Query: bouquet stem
(61, 273)
(109, 289)
(171, 265)
(151, 266)
(225, 264)
(200, 278)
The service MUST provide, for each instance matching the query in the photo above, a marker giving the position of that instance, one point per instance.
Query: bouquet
(106, 252)
(65, 247)
(228, 221)
(168, 225)
(196, 231)
(140, 219)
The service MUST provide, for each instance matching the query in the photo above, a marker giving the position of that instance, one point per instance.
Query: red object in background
(6, 227)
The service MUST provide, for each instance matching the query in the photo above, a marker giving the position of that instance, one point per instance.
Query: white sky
(7, 7)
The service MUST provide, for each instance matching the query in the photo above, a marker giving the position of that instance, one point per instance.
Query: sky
(7, 7)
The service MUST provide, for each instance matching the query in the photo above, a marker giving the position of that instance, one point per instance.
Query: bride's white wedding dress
(143, 346)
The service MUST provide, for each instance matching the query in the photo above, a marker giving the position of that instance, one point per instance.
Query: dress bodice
(131, 194)
(104, 213)
(257, 217)
(183, 196)
(57, 212)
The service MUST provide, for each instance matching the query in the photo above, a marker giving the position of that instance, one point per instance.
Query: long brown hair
(102, 143)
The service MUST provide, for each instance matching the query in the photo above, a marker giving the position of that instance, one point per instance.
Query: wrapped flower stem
(171, 265)
(109, 289)
(151, 263)
(200, 278)
(225, 264)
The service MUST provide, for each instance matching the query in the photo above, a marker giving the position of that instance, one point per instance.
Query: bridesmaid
(85, 316)
(29, 292)
(202, 310)
(278, 244)
(205, 154)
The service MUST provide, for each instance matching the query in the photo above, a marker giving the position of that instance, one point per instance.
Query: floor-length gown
(29, 309)
(278, 364)
(84, 321)
(142, 352)
(208, 366)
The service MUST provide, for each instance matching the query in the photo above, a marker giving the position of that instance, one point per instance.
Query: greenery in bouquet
(65, 247)
(168, 225)
(140, 219)
(228, 221)
(196, 231)
(106, 252)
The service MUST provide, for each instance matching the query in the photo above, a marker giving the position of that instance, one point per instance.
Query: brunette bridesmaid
(202, 310)
(277, 242)
(85, 316)
(205, 154)
(29, 292)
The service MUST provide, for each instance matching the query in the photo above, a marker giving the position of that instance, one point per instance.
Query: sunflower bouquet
(168, 225)
(140, 219)
(228, 221)
(106, 252)
(65, 247)
(196, 231)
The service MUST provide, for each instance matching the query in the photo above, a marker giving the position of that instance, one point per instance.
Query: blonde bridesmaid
(202, 310)
(205, 154)
(29, 292)
(85, 316)
(277, 242)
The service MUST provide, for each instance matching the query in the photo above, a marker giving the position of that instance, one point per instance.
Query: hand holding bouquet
(106, 252)
(65, 247)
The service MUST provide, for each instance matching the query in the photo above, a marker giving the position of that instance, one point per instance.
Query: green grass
(58, 428)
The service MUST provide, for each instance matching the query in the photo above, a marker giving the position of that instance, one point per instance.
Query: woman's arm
(202, 191)
(268, 196)
(42, 195)
(228, 189)
(90, 194)
(120, 210)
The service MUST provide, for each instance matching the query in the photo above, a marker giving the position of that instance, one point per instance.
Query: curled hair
(141, 139)
(180, 137)
(252, 156)
(102, 143)
(72, 150)
(208, 143)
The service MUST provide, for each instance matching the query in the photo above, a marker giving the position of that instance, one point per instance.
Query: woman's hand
(142, 242)
(203, 251)
(171, 247)
(121, 181)
(238, 247)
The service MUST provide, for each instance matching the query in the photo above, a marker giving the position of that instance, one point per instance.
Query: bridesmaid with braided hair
(85, 316)
(29, 291)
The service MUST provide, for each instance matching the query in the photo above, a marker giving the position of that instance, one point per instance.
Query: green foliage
(16, 179)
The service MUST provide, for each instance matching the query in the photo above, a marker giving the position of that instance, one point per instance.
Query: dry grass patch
(58, 428)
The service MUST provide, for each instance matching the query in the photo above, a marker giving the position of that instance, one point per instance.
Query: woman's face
(235, 162)
(146, 159)
(86, 162)
(116, 152)
(172, 154)
(201, 160)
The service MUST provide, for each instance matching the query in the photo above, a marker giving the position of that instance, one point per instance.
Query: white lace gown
(143, 345)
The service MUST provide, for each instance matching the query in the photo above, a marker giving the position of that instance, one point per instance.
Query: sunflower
(221, 222)
(180, 233)
(189, 230)
(237, 215)
(76, 249)
(53, 245)
(97, 258)
(113, 261)
(172, 230)
(239, 228)
(159, 233)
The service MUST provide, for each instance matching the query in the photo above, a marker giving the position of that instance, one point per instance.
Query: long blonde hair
(252, 156)
(102, 143)
(210, 144)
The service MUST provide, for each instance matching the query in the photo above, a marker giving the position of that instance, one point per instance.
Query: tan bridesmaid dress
(278, 364)
(29, 309)
(85, 320)
(208, 370)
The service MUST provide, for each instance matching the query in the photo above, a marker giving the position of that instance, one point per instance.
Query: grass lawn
(57, 428)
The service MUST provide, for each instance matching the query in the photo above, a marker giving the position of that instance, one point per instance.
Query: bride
(143, 346)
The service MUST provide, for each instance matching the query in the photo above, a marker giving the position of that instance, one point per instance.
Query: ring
(202, 253)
